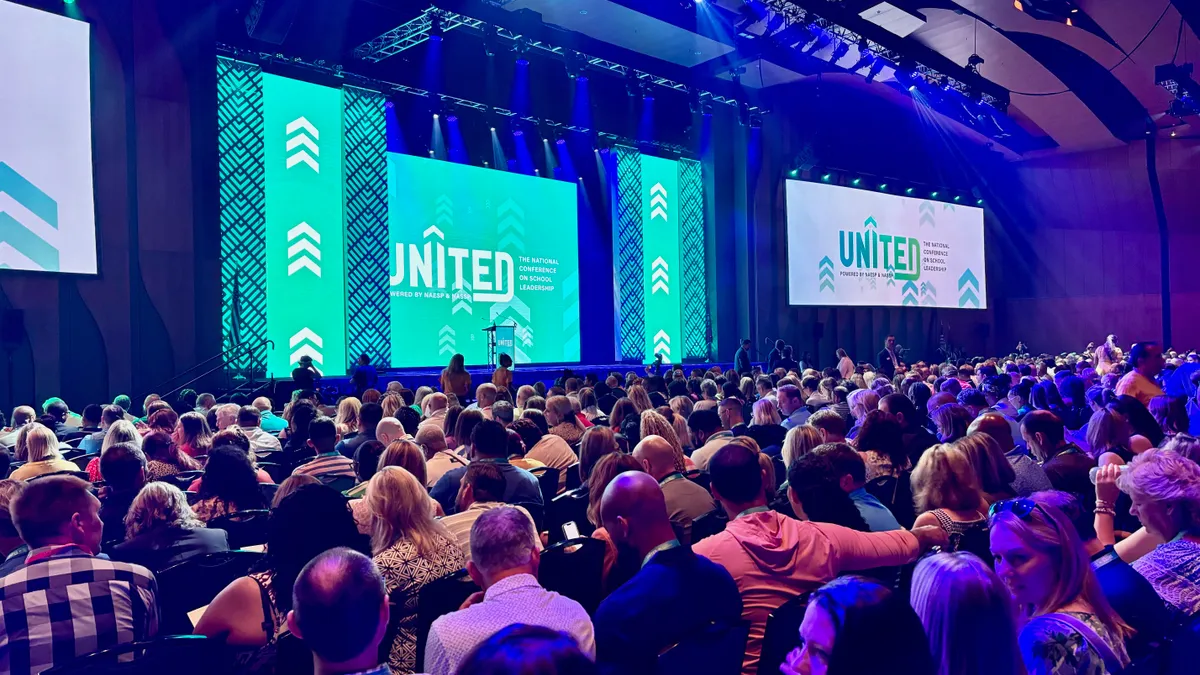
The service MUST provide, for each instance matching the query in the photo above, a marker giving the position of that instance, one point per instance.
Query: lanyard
(754, 509)
(672, 477)
(665, 546)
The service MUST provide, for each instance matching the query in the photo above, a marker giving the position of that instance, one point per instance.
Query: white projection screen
(850, 247)
(47, 211)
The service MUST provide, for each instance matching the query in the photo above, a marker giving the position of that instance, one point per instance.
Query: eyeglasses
(1020, 508)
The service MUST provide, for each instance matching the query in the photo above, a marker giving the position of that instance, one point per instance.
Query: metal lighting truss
(384, 86)
(799, 16)
(414, 32)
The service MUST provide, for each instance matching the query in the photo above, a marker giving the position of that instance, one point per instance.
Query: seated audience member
(1066, 465)
(862, 402)
(161, 530)
(800, 441)
(289, 485)
(504, 562)
(1131, 596)
(765, 427)
(464, 426)
(21, 416)
(366, 460)
(659, 606)
(392, 429)
(854, 626)
(791, 406)
(851, 474)
(120, 432)
(814, 493)
(655, 424)
(915, 438)
(58, 410)
(562, 421)
(1109, 439)
(323, 439)
(951, 421)
(225, 416)
(489, 443)
(617, 568)
(1040, 559)
(229, 485)
(946, 494)
(595, 444)
(410, 548)
(549, 449)
(685, 500)
(437, 406)
(403, 453)
(109, 415)
(438, 457)
(528, 649)
(369, 416)
(995, 475)
(482, 487)
(92, 424)
(248, 420)
(1165, 490)
(1146, 362)
(881, 443)
(968, 616)
(12, 548)
(830, 424)
(163, 457)
(193, 436)
(236, 615)
(347, 416)
(1030, 477)
(60, 586)
(268, 420)
(41, 451)
(123, 467)
(774, 558)
(340, 611)
(708, 436)
(732, 416)
(503, 412)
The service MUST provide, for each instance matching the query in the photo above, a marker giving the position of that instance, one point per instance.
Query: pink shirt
(774, 558)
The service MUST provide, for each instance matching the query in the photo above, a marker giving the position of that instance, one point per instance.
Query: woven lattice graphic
(628, 253)
(692, 256)
(243, 207)
(368, 287)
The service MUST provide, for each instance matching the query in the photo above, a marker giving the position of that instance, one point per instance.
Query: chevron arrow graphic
(305, 252)
(28, 224)
(658, 276)
(970, 298)
(926, 210)
(968, 289)
(433, 230)
(306, 343)
(909, 291)
(968, 277)
(662, 344)
(304, 245)
(870, 222)
(825, 274)
(446, 340)
(302, 147)
(658, 202)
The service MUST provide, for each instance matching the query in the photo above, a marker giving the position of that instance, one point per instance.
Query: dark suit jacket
(161, 548)
(670, 598)
(885, 364)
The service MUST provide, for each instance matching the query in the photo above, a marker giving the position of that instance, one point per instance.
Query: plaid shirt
(65, 603)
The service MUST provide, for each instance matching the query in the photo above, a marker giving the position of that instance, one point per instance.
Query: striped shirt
(66, 603)
(327, 464)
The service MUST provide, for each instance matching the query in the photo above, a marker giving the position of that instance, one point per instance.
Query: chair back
(175, 654)
(568, 507)
(82, 461)
(192, 496)
(277, 472)
(573, 479)
(339, 483)
(82, 475)
(438, 598)
(268, 492)
(537, 511)
(707, 525)
(183, 479)
(896, 495)
(715, 648)
(293, 656)
(575, 568)
(699, 477)
(782, 634)
(245, 528)
(194, 583)
(548, 482)
(74, 450)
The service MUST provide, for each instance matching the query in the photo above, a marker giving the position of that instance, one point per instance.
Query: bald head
(996, 426)
(631, 502)
(436, 401)
(339, 607)
(656, 456)
(389, 429)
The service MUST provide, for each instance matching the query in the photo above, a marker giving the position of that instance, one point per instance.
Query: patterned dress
(1173, 569)
(403, 567)
(1052, 648)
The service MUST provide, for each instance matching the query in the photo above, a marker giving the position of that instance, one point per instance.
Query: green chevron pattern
(243, 206)
(367, 226)
(692, 259)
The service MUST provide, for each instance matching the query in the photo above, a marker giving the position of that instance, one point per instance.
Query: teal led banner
(306, 292)
(660, 256)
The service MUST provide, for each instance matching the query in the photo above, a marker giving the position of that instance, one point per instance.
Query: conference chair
(782, 634)
(194, 583)
(707, 525)
(699, 477)
(574, 480)
(82, 461)
(245, 528)
(438, 598)
(82, 475)
(277, 472)
(175, 654)
(339, 483)
(183, 479)
(548, 481)
(714, 648)
(575, 568)
(567, 508)
(268, 491)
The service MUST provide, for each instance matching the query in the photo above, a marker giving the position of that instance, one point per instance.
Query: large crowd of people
(993, 517)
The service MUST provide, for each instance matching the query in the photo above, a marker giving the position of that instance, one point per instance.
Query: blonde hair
(798, 442)
(641, 400)
(121, 431)
(41, 444)
(563, 410)
(682, 406)
(765, 412)
(1168, 478)
(347, 414)
(862, 401)
(654, 424)
(159, 505)
(991, 467)
(391, 403)
(944, 479)
(1106, 430)
(968, 616)
(399, 508)
(407, 455)
(1048, 530)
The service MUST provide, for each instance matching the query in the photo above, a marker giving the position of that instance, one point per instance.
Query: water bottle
(1096, 469)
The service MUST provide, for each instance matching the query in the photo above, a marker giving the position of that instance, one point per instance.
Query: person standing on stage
(845, 364)
(364, 376)
(889, 359)
(774, 357)
(741, 359)
(455, 379)
(502, 378)
(305, 375)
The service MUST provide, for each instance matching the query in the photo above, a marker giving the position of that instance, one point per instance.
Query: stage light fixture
(883, 187)
(958, 198)
(909, 191)
(794, 172)
(979, 202)
(933, 194)
(522, 48)
(827, 177)
(973, 63)
(436, 30)
(856, 181)
(489, 40)
(876, 66)
(840, 51)
(775, 23)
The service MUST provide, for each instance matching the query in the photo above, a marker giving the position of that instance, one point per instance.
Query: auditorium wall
(151, 311)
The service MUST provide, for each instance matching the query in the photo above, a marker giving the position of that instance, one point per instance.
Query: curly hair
(1167, 478)
(654, 424)
(159, 505)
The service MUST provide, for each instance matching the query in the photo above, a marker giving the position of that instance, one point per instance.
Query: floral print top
(1050, 647)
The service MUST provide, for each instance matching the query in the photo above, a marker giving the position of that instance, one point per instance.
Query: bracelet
(1105, 510)
(1100, 503)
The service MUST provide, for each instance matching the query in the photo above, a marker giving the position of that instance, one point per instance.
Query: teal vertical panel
(693, 258)
(627, 255)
